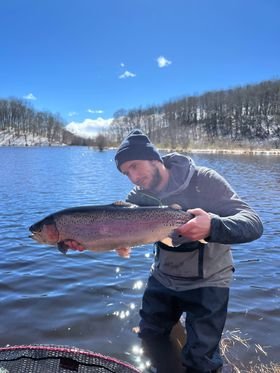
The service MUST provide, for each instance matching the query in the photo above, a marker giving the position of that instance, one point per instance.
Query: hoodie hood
(181, 169)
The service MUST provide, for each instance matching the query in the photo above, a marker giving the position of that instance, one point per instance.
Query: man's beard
(155, 180)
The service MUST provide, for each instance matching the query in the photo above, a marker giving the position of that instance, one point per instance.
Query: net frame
(58, 359)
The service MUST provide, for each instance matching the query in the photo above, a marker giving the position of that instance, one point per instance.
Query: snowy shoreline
(235, 151)
(9, 139)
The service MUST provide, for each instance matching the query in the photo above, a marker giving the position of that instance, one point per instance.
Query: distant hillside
(20, 124)
(246, 116)
(243, 117)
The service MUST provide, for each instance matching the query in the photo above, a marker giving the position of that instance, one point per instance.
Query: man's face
(144, 174)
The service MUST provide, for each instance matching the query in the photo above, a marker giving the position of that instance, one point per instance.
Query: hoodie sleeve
(244, 226)
(232, 220)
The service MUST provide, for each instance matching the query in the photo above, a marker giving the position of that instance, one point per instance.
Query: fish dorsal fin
(124, 204)
(175, 206)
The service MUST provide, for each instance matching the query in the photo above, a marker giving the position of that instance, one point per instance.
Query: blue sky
(86, 59)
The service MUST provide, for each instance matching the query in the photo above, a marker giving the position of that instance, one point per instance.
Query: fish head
(45, 231)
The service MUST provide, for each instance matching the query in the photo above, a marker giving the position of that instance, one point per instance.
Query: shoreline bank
(237, 151)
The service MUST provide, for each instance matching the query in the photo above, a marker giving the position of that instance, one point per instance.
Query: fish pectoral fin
(203, 241)
(124, 204)
(62, 247)
(167, 241)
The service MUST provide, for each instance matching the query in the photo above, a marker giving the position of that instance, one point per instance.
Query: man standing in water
(193, 276)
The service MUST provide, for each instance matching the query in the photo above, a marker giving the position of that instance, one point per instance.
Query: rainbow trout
(108, 227)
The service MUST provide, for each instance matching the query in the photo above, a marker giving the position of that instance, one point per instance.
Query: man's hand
(124, 252)
(197, 228)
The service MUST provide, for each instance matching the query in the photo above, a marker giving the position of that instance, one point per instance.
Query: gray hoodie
(193, 264)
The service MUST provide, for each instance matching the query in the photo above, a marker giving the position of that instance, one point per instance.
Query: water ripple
(92, 300)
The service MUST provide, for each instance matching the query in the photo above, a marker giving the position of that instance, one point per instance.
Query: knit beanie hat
(136, 146)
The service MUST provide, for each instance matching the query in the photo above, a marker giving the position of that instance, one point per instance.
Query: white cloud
(163, 62)
(127, 74)
(89, 127)
(122, 64)
(30, 96)
(72, 113)
(92, 111)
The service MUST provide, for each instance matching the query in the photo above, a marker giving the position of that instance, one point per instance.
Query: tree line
(242, 116)
(20, 119)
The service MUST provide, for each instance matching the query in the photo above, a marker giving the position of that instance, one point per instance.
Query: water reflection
(161, 354)
(142, 362)
(138, 285)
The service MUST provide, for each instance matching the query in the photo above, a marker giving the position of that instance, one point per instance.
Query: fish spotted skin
(108, 227)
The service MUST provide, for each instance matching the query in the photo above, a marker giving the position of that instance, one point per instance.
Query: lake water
(91, 300)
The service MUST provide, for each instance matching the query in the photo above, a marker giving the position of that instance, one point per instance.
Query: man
(193, 276)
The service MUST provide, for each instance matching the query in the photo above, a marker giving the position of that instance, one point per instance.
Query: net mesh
(58, 359)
